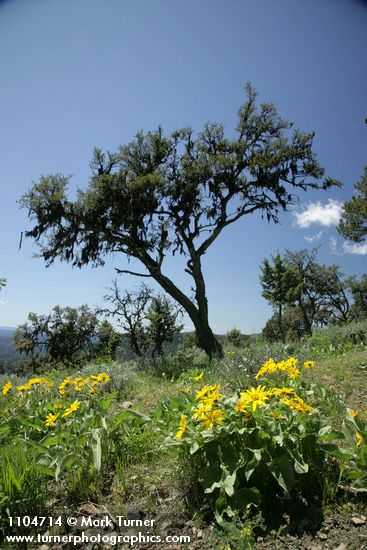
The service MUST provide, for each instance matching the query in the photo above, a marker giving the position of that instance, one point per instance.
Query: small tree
(280, 286)
(150, 321)
(163, 195)
(292, 325)
(234, 337)
(163, 326)
(353, 223)
(359, 293)
(129, 309)
(2, 283)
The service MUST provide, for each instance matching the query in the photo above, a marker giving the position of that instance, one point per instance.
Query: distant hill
(9, 356)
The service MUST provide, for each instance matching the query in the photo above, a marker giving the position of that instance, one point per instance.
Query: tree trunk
(280, 323)
(206, 339)
(199, 314)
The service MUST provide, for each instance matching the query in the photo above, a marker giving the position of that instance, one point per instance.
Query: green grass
(140, 474)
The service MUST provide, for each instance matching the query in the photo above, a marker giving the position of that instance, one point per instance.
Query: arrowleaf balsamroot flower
(213, 417)
(73, 407)
(51, 419)
(182, 428)
(359, 439)
(309, 364)
(253, 397)
(6, 389)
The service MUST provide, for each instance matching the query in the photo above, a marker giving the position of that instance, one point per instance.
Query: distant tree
(312, 294)
(353, 223)
(2, 283)
(128, 309)
(292, 325)
(108, 340)
(359, 293)
(163, 325)
(149, 320)
(67, 335)
(234, 337)
(322, 292)
(163, 195)
(280, 285)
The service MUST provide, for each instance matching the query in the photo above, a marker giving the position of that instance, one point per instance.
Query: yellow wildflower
(22, 389)
(281, 391)
(293, 372)
(209, 392)
(269, 367)
(292, 362)
(187, 390)
(309, 364)
(282, 366)
(276, 415)
(198, 376)
(297, 404)
(51, 419)
(353, 414)
(64, 384)
(202, 410)
(6, 389)
(73, 407)
(58, 406)
(213, 417)
(255, 397)
(359, 439)
(182, 428)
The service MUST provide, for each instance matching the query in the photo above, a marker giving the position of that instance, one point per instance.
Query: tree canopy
(175, 194)
(353, 223)
(66, 335)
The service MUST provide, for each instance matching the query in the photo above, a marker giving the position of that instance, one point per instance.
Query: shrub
(268, 439)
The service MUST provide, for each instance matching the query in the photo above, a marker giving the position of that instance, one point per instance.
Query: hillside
(138, 464)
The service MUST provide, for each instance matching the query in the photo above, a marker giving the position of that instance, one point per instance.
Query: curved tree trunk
(199, 314)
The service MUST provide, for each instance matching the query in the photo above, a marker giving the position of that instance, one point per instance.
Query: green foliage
(359, 293)
(2, 283)
(67, 336)
(234, 338)
(149, 320)
(23, 483)
(353, 223)
(267, 440)
(306, 294)
(280, 286)
(161, 195)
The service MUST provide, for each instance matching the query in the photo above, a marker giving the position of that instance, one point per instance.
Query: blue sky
(92, 73)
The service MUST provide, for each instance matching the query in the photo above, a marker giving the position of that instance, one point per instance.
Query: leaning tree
(162, 195)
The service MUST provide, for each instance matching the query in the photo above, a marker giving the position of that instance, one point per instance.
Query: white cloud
(4, 302)
(321, 214)
(313, 238)
(334, 246)
(354, 248)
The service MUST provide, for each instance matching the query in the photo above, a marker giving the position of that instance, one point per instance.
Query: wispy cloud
(319, 214)
(347, 247)
(4, 302)
(354, 248)
(313, 238)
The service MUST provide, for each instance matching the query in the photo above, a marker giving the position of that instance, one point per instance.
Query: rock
(199, 534)
(126, 405)
(341, 547)
(358, 521)
(88, 509)
(322, 536)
